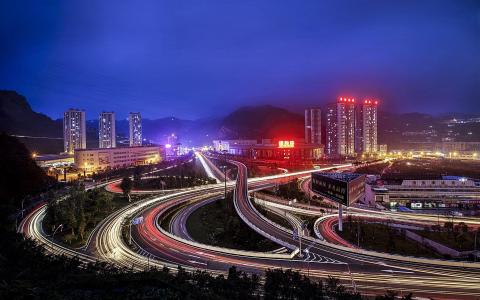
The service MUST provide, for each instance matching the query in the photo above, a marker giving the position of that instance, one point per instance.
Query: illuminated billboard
(286, 144)
(343, 188)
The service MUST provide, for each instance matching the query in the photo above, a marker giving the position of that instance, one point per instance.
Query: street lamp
(225, 170)
(308, 262)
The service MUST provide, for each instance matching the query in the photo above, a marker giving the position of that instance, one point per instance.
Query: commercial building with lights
(313, 127)
(368, 127)
(271, 149)
(111, 158)
(135, 129)
(340, 140)
(447, 192)
(74, 130)
(106, 130)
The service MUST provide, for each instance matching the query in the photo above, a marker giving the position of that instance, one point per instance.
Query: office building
(74, 130)
(135, 129)
(106, 130)
(340, 131)
(313, 127)
(104, 158)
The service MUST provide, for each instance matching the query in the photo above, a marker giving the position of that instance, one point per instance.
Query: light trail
(163, 249)
(207, 168)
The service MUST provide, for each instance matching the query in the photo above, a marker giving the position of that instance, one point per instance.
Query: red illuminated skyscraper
(340, 139)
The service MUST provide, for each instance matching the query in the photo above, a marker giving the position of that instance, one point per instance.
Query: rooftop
(346, 177)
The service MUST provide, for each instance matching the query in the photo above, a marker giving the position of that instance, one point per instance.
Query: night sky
(195, 59)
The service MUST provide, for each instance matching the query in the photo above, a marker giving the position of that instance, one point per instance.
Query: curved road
(157, 247)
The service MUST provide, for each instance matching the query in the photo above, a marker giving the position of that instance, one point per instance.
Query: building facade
(106, 130)
(331, 131)
(448, 192)
(271, 149)
(340, 131)
(135, 129)
(74, 130)
(369, 126)
(313, 126)
(105, 158)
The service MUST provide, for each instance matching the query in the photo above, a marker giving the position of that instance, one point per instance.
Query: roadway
(368, 272)
(155, 246)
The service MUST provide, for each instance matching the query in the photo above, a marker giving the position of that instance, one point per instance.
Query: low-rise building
(448, 192)
(105, 158)
(270, 149)
(54, 160)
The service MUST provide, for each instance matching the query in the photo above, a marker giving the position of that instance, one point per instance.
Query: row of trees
(290, 191)
(78, 211)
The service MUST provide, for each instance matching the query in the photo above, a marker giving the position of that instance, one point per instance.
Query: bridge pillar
(340, 221)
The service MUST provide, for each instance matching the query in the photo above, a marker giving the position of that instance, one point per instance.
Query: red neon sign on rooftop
(286, 144)
(374, 102)
(346, 100)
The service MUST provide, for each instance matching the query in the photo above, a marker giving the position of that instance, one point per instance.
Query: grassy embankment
(218, 224)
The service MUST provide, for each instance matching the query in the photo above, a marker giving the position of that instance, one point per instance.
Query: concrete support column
(340, 221)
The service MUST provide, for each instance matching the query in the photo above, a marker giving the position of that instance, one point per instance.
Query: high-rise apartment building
(341, 128)
(106, 130)
(368, 124)
(331, 131)
(135, 129)
(313, 127)
(74, 130)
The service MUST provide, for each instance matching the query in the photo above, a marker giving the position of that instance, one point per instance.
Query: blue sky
(194, 59)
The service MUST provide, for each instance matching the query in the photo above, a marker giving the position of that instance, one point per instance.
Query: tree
(126, 185)
(448, 226)
(20, 176)
(137, 176)
(82, 224)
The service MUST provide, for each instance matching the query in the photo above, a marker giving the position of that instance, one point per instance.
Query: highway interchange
(154, 246)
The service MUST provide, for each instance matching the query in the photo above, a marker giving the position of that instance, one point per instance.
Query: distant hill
(262, 122)
(251, 122)
(18, 118)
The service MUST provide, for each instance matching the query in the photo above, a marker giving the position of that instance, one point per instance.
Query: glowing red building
(340, 131)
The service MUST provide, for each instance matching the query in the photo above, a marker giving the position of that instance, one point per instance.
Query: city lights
(286, 144)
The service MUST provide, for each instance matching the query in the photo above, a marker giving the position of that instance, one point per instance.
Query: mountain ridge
(246, 122)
